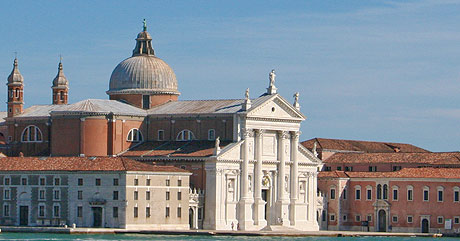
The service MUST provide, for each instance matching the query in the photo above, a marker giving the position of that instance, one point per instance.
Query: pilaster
(245, 203)
(259, 203)
(282, 204)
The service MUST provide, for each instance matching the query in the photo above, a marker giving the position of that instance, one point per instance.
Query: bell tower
(15, 91)
(60, 87)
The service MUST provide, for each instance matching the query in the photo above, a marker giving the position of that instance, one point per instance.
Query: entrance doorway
(23, 215)
(190, 217)
(97, 217)
(425, 226)
(382, 221)
(265, 198)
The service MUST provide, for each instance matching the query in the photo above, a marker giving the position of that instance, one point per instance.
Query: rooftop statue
(272, 77)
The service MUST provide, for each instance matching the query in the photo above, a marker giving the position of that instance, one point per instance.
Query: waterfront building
(110, 192)
(248, 169)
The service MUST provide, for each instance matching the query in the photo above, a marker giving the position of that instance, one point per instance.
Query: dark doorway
(425, 226)
(97, 217)
(190, 217)
(382, 221)
(23, 215)
(265, 198)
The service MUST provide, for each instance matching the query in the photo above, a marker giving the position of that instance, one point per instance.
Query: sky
(365, 70)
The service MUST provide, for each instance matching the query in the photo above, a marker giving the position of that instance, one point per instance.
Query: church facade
(244, 154)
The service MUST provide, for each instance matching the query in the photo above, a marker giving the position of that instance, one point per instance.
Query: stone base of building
(157, 227)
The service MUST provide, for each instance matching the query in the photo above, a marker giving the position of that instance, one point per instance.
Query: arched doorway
(382, 221)
(190, 217)
(425, 226)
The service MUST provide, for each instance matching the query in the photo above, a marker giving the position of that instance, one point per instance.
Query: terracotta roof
(361, 146)
(175, 149)
(336, 174)
(428, 172)
(79, 164)
(432, 158)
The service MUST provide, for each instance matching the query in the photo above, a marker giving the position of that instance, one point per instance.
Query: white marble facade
(266, 179)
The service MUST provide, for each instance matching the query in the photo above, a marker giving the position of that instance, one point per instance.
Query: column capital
(283, 134)
(295, 135)
(247, 132)
(259, 132)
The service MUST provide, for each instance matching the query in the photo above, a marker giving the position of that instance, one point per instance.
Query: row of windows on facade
(382, 193)
(97, 181)
(350, 168)
(33, 134)
(41, 210)
(394, 218)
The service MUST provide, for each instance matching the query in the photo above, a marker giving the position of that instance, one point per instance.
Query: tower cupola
(15, 91)
(60, 87)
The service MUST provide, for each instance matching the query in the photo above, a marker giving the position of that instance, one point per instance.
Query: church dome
(143, 72)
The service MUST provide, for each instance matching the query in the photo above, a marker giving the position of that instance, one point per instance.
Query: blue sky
(365, 70)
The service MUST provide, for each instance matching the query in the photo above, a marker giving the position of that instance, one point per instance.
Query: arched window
(211, 134)
(379, 192)
(185, 135)
(426, 193)
(385, 191)
(134, 135)
(410, 193)
(31, 134)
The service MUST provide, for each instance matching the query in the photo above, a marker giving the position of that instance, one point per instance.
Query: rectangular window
(440, 196)
(161, 135)
(57, 181)
(369, 194)
(56, 213)
(6, 210)
(395, 219)
(179, 212)
(396, 168)
(98, 181)
(147, 195)
(345, 194)
(80, 181)
(332, 217)
(136, 195)
(41, 194)
(24, 181)
(147, 182)
(372, 168)
(395, 194)
(7, 181)
(145, 102)
(358, 218)
(409, 219)
(115, 195)
(136, 212)
(348, 169)
(332, 194)
(440, 220)
(167, 212)
(358, 194)
(179, 183)
(345, 217)
(200, 213)
(425, 195)
(79, 211)
(456, 196)
(167, 182)
(456, 220)
(167, 195)
(410, 195)
(136, 182)
(80, 195)
(42, 181)
(339, 168)
(115, 181)
(6, 194)
(369, 218)
(57, 195)
(179, 196)
(41, 211)
(115, 212)
(328, 169)
(147, 212)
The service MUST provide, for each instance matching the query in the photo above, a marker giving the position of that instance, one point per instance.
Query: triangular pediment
(274, 106)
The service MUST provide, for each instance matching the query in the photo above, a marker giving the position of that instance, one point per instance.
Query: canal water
(103, 237)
